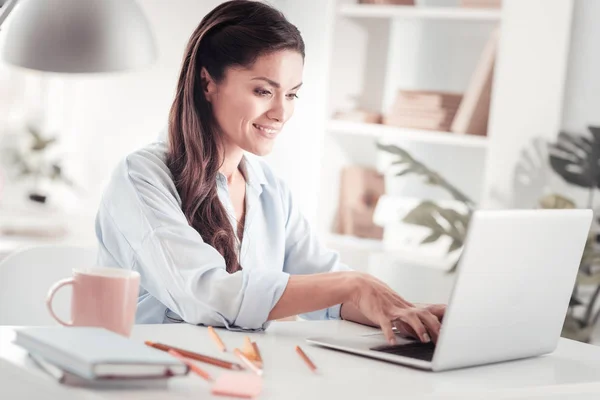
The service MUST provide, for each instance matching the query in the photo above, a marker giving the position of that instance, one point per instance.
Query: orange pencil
(248, 363)
(215, 337)
(257, 353)
(248, 349)
(310, 364)
(193, 367)
(196, 356)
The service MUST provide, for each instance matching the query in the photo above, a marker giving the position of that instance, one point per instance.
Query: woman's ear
(208, 84)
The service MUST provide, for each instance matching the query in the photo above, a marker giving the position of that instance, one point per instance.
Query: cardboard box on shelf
(360, 189)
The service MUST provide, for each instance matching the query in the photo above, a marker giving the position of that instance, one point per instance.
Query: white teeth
(266, 130)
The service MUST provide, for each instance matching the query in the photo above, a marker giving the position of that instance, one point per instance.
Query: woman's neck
(230, 167)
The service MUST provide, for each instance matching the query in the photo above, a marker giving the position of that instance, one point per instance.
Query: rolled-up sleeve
(146, 230)
(304, 253)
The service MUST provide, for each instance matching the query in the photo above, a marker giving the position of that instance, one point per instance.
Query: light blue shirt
(140, 226)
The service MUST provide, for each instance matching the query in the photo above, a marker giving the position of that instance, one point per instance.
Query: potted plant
(576, 159)
(427, 213)
(34, 163)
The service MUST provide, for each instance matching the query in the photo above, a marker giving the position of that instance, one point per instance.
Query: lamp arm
(6, 6)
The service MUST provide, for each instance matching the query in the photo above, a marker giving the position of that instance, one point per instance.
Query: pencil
(193, 367)
(248, 363)
(196, 356)
(215, 337)
(257, 353)
(248, 349)
(310, 364)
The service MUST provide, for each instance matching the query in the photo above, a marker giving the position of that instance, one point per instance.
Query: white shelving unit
(434, 13)
(377, 50)
(372, 51)
(391, 133)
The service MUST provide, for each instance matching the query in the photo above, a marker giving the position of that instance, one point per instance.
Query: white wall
(582, 94)
(104, 117)
(112, 115)
(299, 151)
(527, 101)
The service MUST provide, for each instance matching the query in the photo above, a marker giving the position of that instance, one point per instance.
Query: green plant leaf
(407, 171)
(556, 201)
(426, 214)
(431, 177)
(431, 238)
(576, 158)
(584, 279)
(574, 302)
(455, 245)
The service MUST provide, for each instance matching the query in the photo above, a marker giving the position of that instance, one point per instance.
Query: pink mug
(104, 297)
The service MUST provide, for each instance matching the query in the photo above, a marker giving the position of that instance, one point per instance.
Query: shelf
(378, 131)
(440, 13)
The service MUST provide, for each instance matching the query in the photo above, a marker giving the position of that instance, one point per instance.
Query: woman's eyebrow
(273, 83)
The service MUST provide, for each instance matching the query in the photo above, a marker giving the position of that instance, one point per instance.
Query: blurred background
(413, 113)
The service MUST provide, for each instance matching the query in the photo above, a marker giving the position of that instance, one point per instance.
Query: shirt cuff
(263, 290)
(334, 312)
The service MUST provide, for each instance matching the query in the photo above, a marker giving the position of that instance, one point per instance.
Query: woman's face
(252, 105)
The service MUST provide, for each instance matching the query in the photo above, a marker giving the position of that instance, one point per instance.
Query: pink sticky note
(238, 384)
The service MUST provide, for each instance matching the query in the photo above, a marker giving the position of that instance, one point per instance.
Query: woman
(217, 238)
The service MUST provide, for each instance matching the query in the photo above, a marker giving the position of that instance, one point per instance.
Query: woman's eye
(292, 96)
(262, 92)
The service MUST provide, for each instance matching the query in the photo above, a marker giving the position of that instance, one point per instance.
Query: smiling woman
(215, 235)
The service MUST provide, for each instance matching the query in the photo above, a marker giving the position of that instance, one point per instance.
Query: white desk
(572, 371)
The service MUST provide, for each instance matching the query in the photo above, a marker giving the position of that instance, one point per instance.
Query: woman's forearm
(306, 293)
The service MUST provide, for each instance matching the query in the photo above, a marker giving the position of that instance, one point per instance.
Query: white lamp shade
(79, 36)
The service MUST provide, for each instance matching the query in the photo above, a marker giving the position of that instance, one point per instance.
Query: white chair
(26, 276)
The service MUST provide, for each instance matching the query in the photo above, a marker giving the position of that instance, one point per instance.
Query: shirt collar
(252, 171)
(254, 174)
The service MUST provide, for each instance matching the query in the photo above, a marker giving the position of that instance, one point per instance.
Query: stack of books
(433, 110)
(481, 3)
(96, 357)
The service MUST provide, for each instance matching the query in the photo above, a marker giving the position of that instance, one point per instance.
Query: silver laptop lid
(515, 279)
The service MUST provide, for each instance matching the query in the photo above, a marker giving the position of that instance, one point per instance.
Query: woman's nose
(277, 111)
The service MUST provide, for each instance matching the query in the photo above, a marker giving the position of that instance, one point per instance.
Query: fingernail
(426, 338)
(392, 340)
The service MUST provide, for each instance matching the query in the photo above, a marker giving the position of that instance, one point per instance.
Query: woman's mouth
(267, 131)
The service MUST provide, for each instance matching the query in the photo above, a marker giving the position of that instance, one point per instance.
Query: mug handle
(50, 297)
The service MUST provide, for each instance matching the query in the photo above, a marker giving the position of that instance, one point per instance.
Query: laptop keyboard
(420, 351)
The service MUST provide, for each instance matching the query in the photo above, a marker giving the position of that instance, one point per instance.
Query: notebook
(69, 379)
(97, 353)
(25, 385)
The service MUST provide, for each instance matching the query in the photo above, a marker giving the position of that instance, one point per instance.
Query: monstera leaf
(556, 201)
(441, 222)
(413, 166)
(531, 174)
(576, 158)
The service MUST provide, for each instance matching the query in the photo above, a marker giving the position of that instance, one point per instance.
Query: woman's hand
(380, 304)
(405, 330)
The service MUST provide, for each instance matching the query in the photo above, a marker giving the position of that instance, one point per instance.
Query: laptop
(510, 298)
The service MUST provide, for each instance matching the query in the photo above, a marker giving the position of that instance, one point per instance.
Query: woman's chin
(261, 150)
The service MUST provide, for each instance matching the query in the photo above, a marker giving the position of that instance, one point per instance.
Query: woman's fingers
(432, 323)
(404, 329)
(386, 327)
(437, 309)
(417, 325)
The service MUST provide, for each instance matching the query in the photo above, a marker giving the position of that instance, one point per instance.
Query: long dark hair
(235, 33)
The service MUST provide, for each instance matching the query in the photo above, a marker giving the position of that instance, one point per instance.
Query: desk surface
(573, 370)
